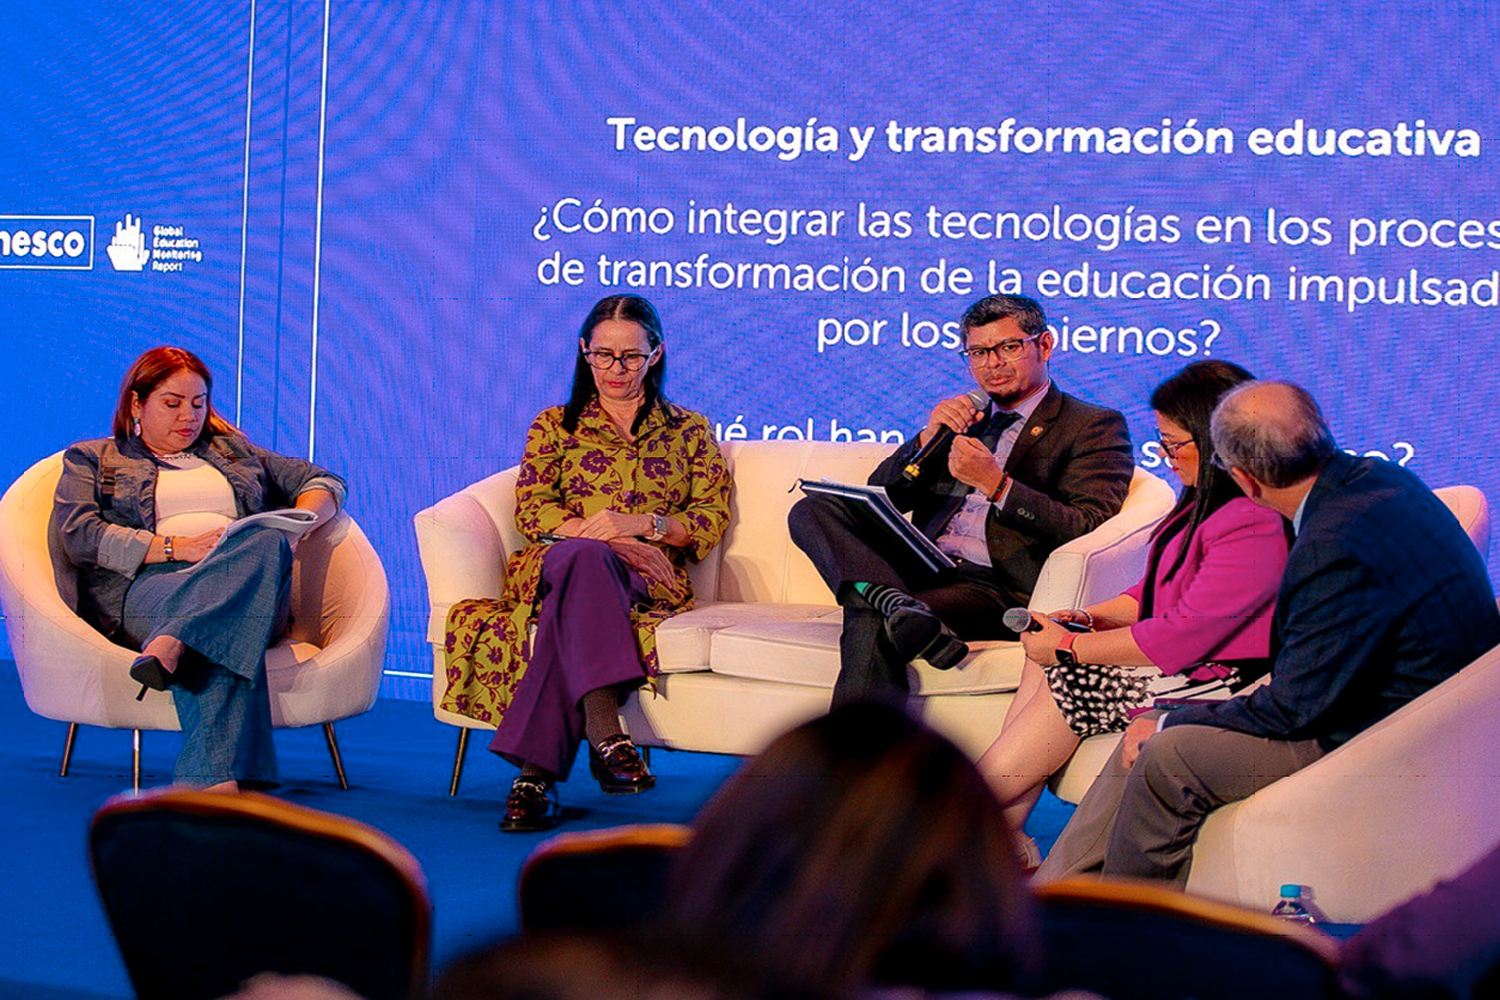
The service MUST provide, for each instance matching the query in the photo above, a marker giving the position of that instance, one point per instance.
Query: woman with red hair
(140, 515)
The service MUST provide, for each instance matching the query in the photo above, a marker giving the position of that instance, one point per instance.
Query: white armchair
(1407, 802)
(327, 668)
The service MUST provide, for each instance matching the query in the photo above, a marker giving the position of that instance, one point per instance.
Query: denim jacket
(104, 513)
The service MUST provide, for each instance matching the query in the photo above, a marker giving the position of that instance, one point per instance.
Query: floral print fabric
(673, 467)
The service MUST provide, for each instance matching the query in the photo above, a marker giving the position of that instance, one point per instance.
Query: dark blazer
(1384, 597)
(1070, 471)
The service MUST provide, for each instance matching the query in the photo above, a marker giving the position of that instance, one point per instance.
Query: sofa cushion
(1087, 763)
(807, 652)
(758, 560)
(682, 641)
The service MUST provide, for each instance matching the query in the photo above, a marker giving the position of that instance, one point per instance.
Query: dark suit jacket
(1384, 597)
(1070, 471)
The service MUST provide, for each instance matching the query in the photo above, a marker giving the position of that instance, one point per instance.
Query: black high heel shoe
(151, 675)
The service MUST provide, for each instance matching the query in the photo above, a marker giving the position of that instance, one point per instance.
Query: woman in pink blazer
(1197, 625)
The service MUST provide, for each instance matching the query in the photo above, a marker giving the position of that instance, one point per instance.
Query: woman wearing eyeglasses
(618, 489)
(1197, 625)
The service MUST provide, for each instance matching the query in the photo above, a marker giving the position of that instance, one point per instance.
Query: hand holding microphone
(1044, 643)
(1020, 620)
(952, 416)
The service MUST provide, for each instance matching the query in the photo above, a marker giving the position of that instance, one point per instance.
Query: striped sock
(884, 598)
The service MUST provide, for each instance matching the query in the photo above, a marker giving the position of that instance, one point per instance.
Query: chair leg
(458, 760)
(135, 759)
(68, 749)
(333, 751)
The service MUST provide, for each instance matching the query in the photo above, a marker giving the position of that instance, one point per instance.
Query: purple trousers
(584, 641)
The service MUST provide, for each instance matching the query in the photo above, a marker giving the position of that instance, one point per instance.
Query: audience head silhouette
(860, 849)
(582, 966)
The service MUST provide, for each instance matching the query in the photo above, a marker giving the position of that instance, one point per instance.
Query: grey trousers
(227, 610)
(1142, 822)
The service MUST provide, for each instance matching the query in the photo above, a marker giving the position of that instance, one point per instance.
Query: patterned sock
(884, 598)
(601, 715)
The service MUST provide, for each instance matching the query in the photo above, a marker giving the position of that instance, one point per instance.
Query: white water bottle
(1291, 907)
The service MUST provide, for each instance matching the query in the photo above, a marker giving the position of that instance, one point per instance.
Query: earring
(135, 426)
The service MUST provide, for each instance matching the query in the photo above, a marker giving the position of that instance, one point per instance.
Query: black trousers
(967, 598)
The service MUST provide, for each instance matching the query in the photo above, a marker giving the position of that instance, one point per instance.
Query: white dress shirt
(963, 536)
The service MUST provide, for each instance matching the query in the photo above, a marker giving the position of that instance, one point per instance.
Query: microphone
(1020, 620)
(940, 437)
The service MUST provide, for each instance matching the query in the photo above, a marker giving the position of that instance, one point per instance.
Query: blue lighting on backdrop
(381, 223)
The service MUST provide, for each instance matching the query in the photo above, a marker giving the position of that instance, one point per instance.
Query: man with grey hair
(1367, 618)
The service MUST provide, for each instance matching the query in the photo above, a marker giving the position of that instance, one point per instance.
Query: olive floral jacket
(673, 467)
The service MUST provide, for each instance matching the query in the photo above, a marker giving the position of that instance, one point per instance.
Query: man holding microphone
(998, 478)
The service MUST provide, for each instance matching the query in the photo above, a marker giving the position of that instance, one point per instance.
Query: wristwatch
(659, 528)
(1064, 651)
(166, 549)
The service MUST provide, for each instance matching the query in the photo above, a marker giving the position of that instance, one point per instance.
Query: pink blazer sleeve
(1219, 603)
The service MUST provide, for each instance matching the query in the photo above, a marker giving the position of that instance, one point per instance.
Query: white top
(963, 536)
(192, 497)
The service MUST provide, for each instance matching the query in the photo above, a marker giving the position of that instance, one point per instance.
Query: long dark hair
(860, 848)
(1188, 399)
(640, 312)
(151, 370)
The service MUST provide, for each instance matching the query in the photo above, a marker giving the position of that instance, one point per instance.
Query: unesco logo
(53, 242)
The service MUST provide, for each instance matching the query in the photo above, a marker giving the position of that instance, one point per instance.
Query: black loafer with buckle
(617, 765)
(919, 634)
(531, 806)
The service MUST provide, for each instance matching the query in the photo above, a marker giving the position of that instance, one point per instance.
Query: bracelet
(1085, 613)
(167, 549)
(999, 489)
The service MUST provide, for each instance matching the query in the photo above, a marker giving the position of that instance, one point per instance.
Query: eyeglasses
(605, 360)
(1172, 448)
(1006, 350)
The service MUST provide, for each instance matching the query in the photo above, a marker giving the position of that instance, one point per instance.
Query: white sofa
(327, 668)
(759, 653)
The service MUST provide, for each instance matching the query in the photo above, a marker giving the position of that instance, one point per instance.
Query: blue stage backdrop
(381, 223)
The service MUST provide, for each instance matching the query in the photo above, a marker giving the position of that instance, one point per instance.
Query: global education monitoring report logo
(66, 243)
(171, 249)
(47, 242)
(127, 251)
